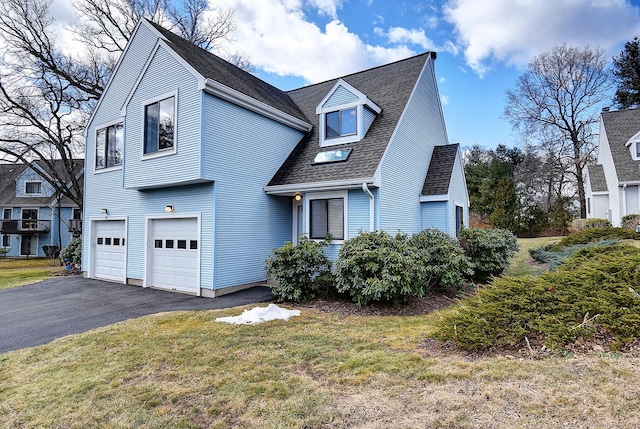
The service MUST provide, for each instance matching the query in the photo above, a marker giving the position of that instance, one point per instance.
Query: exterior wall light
(298, 197)
(169, 208)
(104, 211)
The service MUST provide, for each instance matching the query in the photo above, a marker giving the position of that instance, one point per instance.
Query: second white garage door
(109, 251)
(174, 255)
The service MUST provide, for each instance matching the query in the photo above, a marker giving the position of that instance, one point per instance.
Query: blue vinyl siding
(458, 196)
(249, 224)
(339, 97)
(435, 214)
(358, 207)
(405, 163)
(183, 166)
(367, 119)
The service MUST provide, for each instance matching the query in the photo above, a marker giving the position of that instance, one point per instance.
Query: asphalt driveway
(39, 313)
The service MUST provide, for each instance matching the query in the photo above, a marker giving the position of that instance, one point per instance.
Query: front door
(29, 245)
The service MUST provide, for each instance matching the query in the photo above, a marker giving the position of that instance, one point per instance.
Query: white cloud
(327, 7)
(516, 31)
(279, 39)
(444, 99)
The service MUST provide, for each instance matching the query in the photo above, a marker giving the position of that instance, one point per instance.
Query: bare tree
(559, 97)
(46, 95)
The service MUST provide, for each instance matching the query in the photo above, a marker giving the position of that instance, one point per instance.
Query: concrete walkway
(39, 313)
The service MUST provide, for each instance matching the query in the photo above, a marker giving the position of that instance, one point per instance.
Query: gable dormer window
(341, 123)
(33, 188)
(344, 115)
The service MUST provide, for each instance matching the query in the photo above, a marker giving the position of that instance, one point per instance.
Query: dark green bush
(489, 250)
(596, 223)
(375, 266)
(295, 268)
(593, 235)
(441, 262)
(72, 251)
(592, 292)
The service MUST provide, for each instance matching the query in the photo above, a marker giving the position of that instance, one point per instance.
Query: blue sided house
(36, 221)
(197, 170)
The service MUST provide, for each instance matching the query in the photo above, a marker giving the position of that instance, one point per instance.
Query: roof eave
(236, 97)
(292, 189)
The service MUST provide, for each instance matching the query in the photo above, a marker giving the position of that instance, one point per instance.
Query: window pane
(638, 150)
(116, 241)
(348, 118)
(182, 244)
(6, 214)
(6, 241)
(118, 152)
(100, 240)
(111, 149)
(168, 244)
(100, 148)
(107, 241)
(33, 188)
(332, 125)
(166, 124)
(335, 208)
(193, 245)
(318, 218)
(151, 128)
(158, 244)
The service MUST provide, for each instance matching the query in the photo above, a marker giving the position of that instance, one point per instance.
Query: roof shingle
(440, 170)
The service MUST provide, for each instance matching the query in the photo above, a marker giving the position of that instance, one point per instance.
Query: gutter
(317, 186)
(372, 204)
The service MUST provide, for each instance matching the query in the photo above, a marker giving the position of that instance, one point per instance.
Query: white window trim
(324, 196)
(163, 152)
(95, 141)
(351, 138)
(31, 194)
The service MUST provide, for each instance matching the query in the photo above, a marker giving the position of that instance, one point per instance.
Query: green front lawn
(19, 272)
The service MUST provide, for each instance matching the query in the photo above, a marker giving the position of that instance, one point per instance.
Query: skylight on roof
(328, 156)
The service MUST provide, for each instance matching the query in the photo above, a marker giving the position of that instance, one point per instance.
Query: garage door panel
(174, 254)
(109, 253)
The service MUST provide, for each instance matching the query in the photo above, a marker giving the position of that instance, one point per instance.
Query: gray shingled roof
(213, 67)
(620, 126)
(440, 169)
(596, 178)
(388, 86)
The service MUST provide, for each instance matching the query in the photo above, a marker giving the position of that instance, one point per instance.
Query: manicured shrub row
(591, 292)
(596, 223)
(376, 266)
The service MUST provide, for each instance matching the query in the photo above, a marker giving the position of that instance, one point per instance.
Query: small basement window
(329, 156)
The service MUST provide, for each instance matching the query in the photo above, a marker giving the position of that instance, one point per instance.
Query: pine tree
(626, 69)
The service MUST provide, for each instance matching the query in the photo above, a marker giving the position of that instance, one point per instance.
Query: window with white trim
(6, 241)
(341, 123)
(33, 188)
(159, 125)
(326, 216)
(109, 146)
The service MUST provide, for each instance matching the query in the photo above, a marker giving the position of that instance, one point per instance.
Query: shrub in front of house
(596, 223)
(591, 294)
(376, 266)
(594, 235)
(295, 268)
(440, 261)
(631, 221)
(72, 251)
(553, 258)
(489, 250)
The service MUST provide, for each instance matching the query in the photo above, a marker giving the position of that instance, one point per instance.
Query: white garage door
(109, 254)
(174, 255)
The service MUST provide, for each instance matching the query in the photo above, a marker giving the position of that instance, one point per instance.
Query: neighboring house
(197, 170)
(35, 221)
(613, 184)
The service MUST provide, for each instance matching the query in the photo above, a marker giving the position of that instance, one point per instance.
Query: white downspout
(372, 205)
(624, 201)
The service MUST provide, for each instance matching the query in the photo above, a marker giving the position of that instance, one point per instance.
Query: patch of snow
(259, 315)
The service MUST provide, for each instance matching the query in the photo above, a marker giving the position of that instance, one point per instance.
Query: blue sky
(482, 45)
